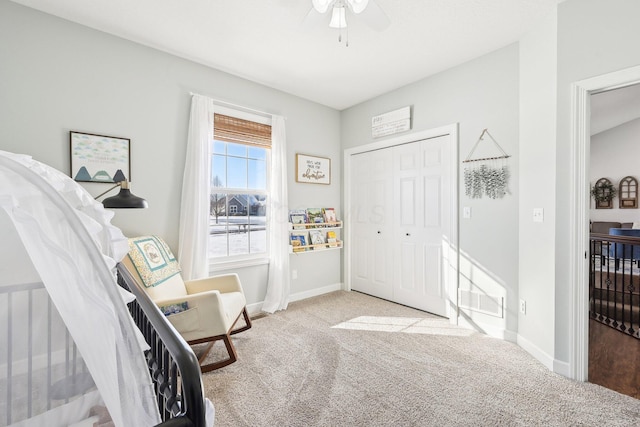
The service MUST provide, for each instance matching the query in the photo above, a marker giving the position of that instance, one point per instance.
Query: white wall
(56, 76)
(614, 155)
(595, 37)
(480, 94)
(538, 67)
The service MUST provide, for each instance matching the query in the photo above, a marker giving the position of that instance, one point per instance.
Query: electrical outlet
(538, 215)
(294, 274)
(523, 306)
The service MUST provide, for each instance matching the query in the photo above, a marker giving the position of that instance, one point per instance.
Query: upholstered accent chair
(625, 251)
(202, 311)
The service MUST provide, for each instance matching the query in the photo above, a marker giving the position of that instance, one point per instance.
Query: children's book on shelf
(316, 237)
(332, 239)
(297, 217)
(314, 216)
(299, 239)
(329, 215)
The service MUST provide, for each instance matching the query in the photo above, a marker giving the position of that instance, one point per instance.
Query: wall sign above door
(392, 122)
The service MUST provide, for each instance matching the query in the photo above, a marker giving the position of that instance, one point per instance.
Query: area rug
(348, 359)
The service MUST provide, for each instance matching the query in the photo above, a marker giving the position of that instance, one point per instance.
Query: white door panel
(406, 192)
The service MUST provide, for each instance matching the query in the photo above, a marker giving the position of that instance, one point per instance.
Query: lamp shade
(338, 17)
(125, 199)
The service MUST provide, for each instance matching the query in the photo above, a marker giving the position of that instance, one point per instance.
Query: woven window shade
(240, 131)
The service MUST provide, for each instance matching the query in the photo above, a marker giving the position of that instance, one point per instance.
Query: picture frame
(99, 158)
(313, 169)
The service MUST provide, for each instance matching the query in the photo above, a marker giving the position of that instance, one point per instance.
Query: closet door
(400, 204)
(421, 199)
(371, 225)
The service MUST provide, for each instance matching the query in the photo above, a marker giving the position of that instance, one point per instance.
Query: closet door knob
(379, 232)
(408, 234)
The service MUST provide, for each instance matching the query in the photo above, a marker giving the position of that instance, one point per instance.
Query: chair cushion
(171, 288)
(233, 304)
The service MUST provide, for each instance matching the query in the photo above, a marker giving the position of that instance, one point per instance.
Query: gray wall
(56, 76)
(595, 37)
(538, 96)
(480, 94)
(614, 155)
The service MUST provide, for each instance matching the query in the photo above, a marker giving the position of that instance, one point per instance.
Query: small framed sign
(99, 158)
(312, 169)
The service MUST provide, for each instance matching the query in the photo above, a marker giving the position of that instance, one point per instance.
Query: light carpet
(348, 359)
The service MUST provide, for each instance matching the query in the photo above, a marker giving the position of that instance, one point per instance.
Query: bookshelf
(313, 230)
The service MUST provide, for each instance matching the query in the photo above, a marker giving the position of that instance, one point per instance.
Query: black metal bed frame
(173, 366)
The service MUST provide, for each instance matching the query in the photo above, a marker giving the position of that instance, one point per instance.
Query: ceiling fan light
(321, 5)
(338, 17)
(358, 5)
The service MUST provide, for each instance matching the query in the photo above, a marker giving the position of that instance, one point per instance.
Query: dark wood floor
(614, 359)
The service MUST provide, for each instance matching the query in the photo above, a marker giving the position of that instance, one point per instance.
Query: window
(238, 204)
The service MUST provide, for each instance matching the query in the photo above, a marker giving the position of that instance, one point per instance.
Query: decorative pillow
(636, 225)
(168, 310)
(152, 259)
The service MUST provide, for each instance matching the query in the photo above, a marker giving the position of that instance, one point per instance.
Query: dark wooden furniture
(173, 366)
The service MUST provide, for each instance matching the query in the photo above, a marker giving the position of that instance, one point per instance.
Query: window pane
(258, 174)
(217, 207)
(219, 171)
(237, 173)
(219, 147)
(257, 224)
(218, 237)
(257, 153)
(238, 224)
(239, 150)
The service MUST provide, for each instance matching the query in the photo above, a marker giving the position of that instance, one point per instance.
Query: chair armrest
(223, 283)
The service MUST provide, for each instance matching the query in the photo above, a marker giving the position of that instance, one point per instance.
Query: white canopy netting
(70, 354)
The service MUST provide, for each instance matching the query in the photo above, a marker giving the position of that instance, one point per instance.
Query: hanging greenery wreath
(603, 192)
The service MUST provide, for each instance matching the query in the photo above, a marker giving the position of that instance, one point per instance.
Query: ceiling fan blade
(321, 5)
(375, 17)
(357, 6)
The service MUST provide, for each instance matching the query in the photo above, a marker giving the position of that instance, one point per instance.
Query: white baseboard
(492, 331)
(536, 352)
(256, 308)
(561, 368)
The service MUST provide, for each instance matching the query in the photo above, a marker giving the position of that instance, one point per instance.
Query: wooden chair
(202, 311)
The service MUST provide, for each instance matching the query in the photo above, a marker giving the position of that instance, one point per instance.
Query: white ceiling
(614, 108)
(271, 42)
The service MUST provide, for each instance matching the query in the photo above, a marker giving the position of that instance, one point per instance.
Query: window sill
(216, 267)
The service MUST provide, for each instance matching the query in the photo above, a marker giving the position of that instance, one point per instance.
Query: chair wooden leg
(231, 350)
(247, 322)
(233, 356)
(205, 353)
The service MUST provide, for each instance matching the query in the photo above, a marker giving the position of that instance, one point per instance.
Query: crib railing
(40, 366)
(174, 367)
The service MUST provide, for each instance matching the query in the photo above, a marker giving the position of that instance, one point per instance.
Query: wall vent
(482, 303)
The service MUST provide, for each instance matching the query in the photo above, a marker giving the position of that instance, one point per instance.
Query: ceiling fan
(367, 10)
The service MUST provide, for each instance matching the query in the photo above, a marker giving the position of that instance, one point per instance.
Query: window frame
(244, 260)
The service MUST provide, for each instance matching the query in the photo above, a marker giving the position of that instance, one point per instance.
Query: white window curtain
(278, 285)
(193, 251)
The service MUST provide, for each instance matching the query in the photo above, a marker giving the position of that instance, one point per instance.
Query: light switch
(538, 215)
(466, 212)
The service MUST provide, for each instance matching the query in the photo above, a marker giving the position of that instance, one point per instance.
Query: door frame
(454, 255)
(580, 142)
